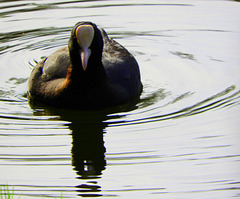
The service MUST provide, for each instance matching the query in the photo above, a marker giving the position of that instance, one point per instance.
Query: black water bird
(93, 71)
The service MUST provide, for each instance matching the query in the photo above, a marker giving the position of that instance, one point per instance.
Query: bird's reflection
(88, 150)
(88, 128)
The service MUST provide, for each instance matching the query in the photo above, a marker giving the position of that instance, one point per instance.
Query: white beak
(84, 35)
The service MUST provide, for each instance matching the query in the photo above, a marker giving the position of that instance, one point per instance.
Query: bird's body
(93, 71)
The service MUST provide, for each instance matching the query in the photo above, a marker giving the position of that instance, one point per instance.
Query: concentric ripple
(180, 141)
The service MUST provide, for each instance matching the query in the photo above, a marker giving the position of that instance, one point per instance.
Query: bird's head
(85, 42)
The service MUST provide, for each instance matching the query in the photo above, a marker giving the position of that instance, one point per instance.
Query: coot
(94, 71)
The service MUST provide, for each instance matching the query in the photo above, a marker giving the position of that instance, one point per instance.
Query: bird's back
(120, 66)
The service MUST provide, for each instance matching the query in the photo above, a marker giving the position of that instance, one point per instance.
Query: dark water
(180, 141)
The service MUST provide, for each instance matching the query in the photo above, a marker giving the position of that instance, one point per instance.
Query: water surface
(180, 141)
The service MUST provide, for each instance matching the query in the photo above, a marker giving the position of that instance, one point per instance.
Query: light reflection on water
(180, 141)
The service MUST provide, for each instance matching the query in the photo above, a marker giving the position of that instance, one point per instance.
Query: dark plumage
(93, 71)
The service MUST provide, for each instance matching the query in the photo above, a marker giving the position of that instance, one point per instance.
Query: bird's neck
(94, 75)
